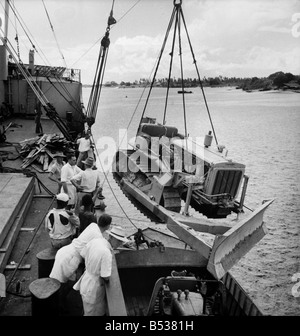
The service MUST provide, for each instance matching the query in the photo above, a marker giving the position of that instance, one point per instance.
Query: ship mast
(6, 18)
(3, 52)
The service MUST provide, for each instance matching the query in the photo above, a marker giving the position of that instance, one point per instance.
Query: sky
(232, 38)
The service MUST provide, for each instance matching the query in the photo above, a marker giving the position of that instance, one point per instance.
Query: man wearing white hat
(98, 262)
(86, 181)
(61, 223)
(55, 170)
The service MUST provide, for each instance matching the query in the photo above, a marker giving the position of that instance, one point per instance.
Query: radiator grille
(227, 181)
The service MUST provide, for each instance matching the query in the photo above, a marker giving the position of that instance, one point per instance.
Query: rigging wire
(199, 78)
(180, 16)
(95, 95)
(94, 99)
(50, 110)
(36, 89)
(170, 68)
(99, 39)
(110, 187)
(158, 62)
(114, 194)
(71, 101)
(26, 31)
(78, 107)
(52, 28)
(17, 37)
(181, 71)
(98, 79)
(19, 18)
(99, 73)
(141, 96)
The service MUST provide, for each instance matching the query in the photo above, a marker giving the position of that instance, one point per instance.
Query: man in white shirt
(55, 170)
(98, 262)
(86, 182)
(84, 148)
(67, 172)
(68, 258)
(61, 223)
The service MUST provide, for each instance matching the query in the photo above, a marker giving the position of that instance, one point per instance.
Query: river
(260, 130)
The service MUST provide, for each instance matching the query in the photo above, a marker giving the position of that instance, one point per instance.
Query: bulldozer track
(139, 206)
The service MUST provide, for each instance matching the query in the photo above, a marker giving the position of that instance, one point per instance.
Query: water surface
(260, 130)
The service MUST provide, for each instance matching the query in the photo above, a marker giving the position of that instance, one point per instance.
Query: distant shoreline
(276, 81)
(196, 87)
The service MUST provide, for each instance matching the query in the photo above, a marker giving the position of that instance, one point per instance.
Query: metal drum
(45, 262)
(45, 297)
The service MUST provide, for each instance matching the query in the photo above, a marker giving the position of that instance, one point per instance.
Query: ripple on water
(262, 131)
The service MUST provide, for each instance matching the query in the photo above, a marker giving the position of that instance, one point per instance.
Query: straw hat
(119, 233)
(59, 154)
(89, 161)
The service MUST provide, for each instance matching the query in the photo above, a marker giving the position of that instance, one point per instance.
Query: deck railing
(46, 71)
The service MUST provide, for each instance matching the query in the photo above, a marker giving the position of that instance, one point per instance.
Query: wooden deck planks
(9, 241)
(14, 190)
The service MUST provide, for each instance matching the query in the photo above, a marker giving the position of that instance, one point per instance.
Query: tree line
(276, 80)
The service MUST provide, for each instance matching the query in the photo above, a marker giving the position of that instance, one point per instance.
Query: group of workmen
(84, 241)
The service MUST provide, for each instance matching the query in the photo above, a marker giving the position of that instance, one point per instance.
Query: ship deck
(31, 237)
(23, 206)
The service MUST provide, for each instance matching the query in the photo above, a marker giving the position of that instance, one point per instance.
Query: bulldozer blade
(227, 249)
(230, 247)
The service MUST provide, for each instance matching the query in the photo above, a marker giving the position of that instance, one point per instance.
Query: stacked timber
(38, 152)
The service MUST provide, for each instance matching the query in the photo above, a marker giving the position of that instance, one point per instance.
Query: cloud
(275, 29)
(258, 61)
(228, 38)
(232, 38)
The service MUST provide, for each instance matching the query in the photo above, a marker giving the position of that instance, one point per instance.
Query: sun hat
(62, 197)
(89, 161)
(119, 233)
(58, 154)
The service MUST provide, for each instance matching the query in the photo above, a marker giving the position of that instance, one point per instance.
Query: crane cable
(199, 78)
(158, 62)
(99, 73)
(114, 194)
(181, 71)
(46, 61)
(17, 37)
(178, 8)
(121, 18)
(78, 108)
(94, 99)
(170, 69)
(95, 95)
(36, 89)
(52, 28)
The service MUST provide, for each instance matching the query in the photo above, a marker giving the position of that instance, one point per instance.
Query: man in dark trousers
(38, 127)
